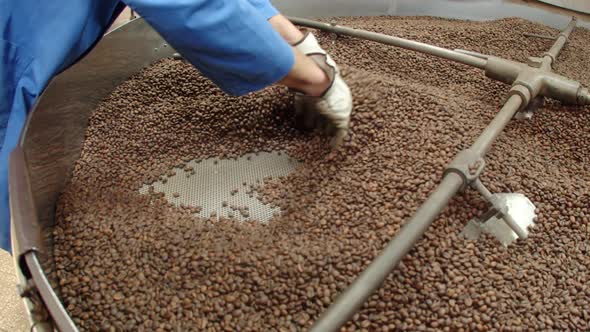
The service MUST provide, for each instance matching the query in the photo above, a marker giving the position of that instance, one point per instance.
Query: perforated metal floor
(222, 186)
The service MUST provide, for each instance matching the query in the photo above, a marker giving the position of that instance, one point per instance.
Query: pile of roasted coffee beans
(135, 262)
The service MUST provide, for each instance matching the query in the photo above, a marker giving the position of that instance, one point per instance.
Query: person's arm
(286, 29)
(280, 23)
(306, 76)
(231, 42)
(334, 103)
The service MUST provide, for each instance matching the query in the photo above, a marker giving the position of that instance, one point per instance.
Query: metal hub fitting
(503, 70)
(562, 88)
(561, 34)
(468, 165)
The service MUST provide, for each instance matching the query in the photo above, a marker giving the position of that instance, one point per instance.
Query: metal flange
(468, 165)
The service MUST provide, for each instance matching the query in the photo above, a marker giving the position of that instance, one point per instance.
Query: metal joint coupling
(583, 97)
(468, 165)
(524, 91)
(547, 54)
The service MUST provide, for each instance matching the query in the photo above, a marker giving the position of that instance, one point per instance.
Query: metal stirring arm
(394, 41)
(529, 81)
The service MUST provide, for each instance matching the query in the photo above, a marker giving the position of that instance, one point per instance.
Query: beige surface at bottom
(12, 313)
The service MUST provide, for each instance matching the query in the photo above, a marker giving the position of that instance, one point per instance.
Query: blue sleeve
(229, 41)
(265, 8)
(38, 39)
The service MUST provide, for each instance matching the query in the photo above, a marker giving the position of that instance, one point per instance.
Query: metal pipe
(538, 36)
(550, 56)
(478, 185)
(485, 140)
(395, 41)
(347, 304)
(472, 53)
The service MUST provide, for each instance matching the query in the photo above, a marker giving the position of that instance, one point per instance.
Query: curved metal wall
(51, 142)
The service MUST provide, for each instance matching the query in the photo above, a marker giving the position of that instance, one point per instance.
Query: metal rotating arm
(395, 41)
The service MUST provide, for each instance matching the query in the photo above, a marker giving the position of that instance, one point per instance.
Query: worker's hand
(331, 110)
(309, 45)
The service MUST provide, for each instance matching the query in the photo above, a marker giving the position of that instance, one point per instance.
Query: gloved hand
(334, 105)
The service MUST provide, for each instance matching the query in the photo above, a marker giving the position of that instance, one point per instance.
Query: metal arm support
(493, 130)
(500, 210)
(395, 41)
(550, 56)
(468, 164)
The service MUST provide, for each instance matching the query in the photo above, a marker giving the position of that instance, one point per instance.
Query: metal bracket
(530, 109)
(508, 219)
(468, 164)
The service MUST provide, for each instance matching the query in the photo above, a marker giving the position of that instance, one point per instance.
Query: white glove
(335, 104)
(309, 45)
